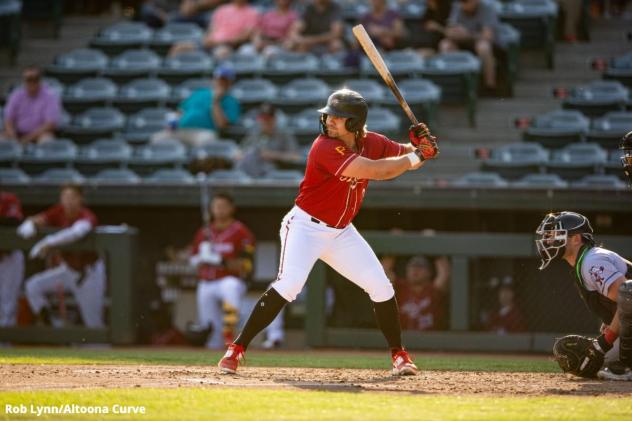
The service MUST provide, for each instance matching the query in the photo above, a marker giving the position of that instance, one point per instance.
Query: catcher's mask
(626, 155)
(347, 104)
(553, 232)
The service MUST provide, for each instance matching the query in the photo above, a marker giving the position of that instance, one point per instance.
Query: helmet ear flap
(353, 124)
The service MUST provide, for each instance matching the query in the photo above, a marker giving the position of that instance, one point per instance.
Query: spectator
(388, 262)
(319, 30)
(268, 145)
(231, 26)
(572, 15)
(471, 26)
(81, 273)
(11, 262)
(273, 30)
(420, 302)
(506, 317)
(426, 38)
(223, 253)
(33, 111)
(384, 25)
(156, 13)
(205, 112)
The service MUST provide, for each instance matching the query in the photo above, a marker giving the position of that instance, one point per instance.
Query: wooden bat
(378, 62)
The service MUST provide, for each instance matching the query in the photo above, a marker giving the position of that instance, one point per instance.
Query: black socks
(387, 316)
(266, 309)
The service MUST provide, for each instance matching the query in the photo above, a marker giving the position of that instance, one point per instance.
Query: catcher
(603, 281)
(626, 155)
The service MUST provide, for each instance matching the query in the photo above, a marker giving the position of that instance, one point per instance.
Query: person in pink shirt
(273, 29)
(33, 111)
(231, 26)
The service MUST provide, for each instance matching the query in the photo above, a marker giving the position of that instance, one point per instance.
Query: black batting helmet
(347, 104)
(626, 155)
(554, 230)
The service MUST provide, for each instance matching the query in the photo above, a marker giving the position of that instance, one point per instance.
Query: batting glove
(27, 229)
(418, 133)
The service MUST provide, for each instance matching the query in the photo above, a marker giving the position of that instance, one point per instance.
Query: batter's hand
(40, 249)
(421, 139)
(27, 229)
(417, 133)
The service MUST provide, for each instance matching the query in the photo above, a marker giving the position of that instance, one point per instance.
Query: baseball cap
(224, 72)
(419, 261)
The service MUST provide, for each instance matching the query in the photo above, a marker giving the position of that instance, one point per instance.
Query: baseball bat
(378, 62)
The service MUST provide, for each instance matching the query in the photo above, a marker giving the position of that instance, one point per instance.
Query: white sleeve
(599, 273)
(71, 234)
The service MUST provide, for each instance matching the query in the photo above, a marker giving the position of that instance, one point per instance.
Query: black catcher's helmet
(347, 104)
(554, 230)
(626, 155)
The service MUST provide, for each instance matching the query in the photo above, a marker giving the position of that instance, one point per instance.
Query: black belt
(321, 222)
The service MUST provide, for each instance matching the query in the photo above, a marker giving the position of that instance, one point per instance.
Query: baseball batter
(11, 261)
(603, 280)
(80, 272)
(342, 160)
(223, 254)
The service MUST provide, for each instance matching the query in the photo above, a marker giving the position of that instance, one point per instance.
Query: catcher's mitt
(577, 355)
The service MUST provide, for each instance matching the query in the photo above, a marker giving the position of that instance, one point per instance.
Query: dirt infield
(49, 377)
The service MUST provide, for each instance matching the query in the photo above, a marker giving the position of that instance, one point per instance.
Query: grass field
(227, 400)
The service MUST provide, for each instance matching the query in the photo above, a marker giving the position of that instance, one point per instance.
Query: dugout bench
(119, 246)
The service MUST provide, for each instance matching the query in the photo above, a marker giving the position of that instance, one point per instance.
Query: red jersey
(10, 206)
(55, 217)
(420, 310)
(230, 243)
(324, 193)
(507, 320)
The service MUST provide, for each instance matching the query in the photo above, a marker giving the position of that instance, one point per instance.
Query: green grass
(318, 359)
(234, 404)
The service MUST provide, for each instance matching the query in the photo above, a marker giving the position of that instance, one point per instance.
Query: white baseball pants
(11, 275)
(304, 241)
(90, 294)
(211, 296)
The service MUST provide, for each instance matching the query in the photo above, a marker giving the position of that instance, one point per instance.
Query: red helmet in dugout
(348, 104)
(553, 232)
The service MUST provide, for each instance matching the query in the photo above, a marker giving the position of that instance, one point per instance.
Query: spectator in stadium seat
(471, 26)
(33, 111)
(421, 304)
(231, 26)
(205, 112)
(156, 13)
(320, 29)
(425, 38)
(273, 30)
(572, 15)
(384, 25)
(268, 145)
(506, 317)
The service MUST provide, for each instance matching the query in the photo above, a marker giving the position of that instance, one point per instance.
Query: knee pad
(624, 305)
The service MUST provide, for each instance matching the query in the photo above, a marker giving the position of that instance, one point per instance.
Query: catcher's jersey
(600, 268)
(324, 193)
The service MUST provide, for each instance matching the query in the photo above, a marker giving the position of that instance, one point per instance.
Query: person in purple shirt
(33, 111)
(384, 25)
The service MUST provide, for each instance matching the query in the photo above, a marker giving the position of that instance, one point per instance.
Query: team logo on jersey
(596, 273)
(340, 149)
(353, 182)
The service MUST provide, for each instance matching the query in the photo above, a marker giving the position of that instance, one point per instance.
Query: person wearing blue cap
(205, 112)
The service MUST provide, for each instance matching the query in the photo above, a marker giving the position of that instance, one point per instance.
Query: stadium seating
(89, 92)
(516, 160)
(229, 177)
(252, 92)
(10, 31)
(301, 93)
(480, 180)
(13, 176)
(404, 63)
(132, 64)
(166, 154)
(10, 153)
(292, 177)
(143, 124)
(507, 50)
(186, 65)
(248, 123)
(115, 176)
(336, 68)
(122, 36)
(383, 120)
(246, 65)
(282, 68)
(599, 182)
(170, 176)
(220, 154)
(184, 89)
(557, 129)
(608, 130)
(175, 32)
(423, 97)
(142, 93)
(577, 160)
(57, 153)
(620, 68)
(94, 123)
(372, 90)
(103, 154)
(597, 98)
(305, 125)
(77, 64)
(58, 176)
(538, 181)
(613, 165)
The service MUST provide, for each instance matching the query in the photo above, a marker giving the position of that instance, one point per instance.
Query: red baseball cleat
(403, 365)
(230, 361)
